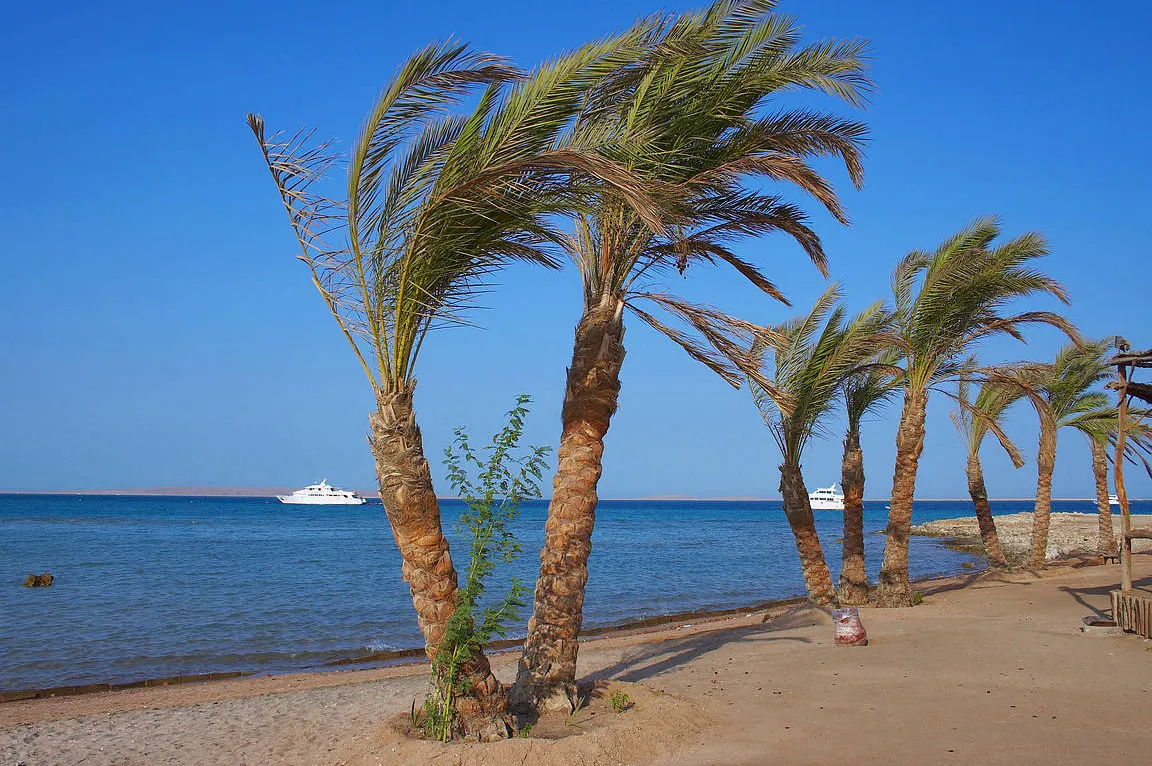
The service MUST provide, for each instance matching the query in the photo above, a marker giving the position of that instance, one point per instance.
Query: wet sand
(989, 669)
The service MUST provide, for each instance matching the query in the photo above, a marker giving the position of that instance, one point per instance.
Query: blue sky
(157, 329)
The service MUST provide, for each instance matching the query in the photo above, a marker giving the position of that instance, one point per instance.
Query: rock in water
(38, 581)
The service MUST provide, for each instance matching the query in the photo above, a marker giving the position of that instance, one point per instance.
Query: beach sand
(990, 669)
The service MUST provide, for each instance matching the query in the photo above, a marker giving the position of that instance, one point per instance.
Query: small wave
(381, 646)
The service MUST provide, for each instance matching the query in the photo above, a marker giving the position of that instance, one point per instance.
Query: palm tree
(436, 202)
(1066, 397)
(692, 121)
(865, 391)
(814, 355)
(945, 303)
(973, 421)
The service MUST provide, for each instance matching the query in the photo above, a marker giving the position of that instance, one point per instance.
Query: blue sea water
(149, 587)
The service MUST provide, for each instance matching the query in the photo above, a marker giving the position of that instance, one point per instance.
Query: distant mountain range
(191, 491)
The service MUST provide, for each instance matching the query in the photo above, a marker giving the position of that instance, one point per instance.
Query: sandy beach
(989, 669)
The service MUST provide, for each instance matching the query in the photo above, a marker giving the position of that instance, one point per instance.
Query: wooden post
(1118, 469)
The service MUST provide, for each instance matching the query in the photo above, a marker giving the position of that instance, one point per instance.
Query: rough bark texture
(798, 510)
(414, 515)
(547, 672)
(984, 517)
(1045, 465)
(1107, 544)
(895, 589)
(853, 577)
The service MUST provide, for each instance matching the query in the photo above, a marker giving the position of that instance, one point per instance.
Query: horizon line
(268, 492)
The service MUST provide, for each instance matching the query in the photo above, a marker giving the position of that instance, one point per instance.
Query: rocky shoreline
(1069, 534)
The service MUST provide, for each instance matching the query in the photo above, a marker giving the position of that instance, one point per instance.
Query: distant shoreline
(269, 492)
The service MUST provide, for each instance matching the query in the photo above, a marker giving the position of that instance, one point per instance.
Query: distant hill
(193, 491)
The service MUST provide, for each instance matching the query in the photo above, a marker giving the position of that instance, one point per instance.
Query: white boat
(1113, 500)
(322, 494)
(827, 499)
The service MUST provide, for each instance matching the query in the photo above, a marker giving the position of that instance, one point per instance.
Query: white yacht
(827, 499)
(322, 494)
(1113, 500)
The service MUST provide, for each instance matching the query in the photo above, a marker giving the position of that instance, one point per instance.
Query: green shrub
(503, 481)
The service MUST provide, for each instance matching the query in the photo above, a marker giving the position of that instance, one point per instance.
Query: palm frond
(949, 300)
(818, 354)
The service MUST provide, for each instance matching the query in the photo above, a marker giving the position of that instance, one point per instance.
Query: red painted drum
(849, 630)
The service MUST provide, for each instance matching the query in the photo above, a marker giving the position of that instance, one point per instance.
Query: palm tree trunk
(853, 576)
(1107, 544)
(798, 509)
(1045, 465)
(895, 589)
(984, 516)
(547, 672)
(414, 515)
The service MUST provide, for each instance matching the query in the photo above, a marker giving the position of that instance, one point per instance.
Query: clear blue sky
(157, 329)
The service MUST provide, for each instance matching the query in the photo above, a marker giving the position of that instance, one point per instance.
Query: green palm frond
(948, 300)
(439, 201)
(816, 354)
(698, 119)
(874, 386)
(999, 388)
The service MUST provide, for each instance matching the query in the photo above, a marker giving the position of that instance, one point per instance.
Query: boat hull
(827, 505)
(288, 500)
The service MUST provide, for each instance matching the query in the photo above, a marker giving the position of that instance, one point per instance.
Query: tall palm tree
(945, 303)
(1068, 397)
(695, 120)
(973, 421)
(814, 355)
(436, 201)
(866, 391)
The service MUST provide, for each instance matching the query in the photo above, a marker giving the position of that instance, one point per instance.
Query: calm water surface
(148, 587)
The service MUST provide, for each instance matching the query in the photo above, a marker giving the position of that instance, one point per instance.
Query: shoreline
(373, 496)
(397, 657)
(951, 533)
(408, 657)
(732, 690)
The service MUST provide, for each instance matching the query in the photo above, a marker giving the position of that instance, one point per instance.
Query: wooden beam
(1141, 391)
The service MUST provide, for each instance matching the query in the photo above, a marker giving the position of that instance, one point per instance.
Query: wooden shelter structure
(1131, 607)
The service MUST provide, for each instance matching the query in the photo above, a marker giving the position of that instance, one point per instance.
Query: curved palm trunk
(1045, 465)
(414, 515)
(798, 509)
(853, 577)
(547, 672)
(895, 589)
(1107, 544)
(984, 516)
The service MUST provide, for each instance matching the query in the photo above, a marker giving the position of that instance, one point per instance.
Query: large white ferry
(827, 499)
(322, 494)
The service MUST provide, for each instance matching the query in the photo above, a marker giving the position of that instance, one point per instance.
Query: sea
(155, 587)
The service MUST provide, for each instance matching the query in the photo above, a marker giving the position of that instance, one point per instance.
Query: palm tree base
(852, 594)
(894, 591)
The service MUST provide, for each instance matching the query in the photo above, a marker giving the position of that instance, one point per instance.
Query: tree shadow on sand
(651, 660)
(1101, 603)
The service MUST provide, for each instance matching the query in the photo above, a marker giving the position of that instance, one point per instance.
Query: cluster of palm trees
(944, 303)
(634, 157)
